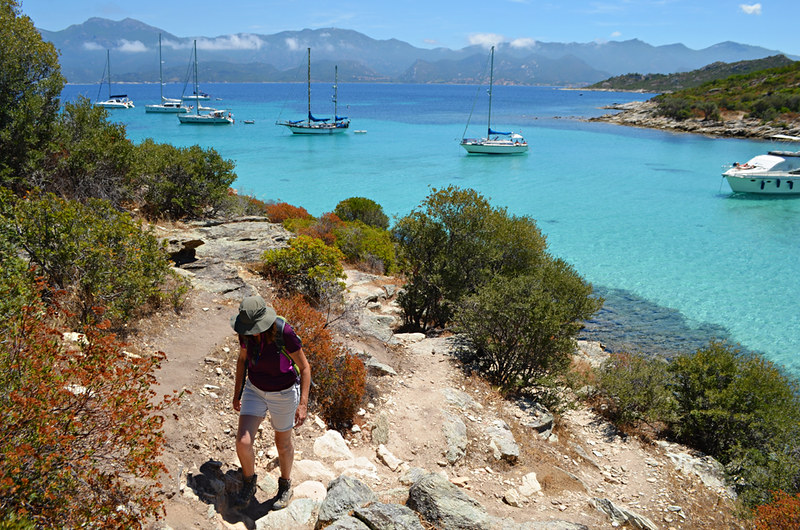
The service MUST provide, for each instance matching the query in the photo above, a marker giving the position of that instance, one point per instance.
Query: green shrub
(307, 266)
(454, 243)
(523, 328)
(635, 391)
(89, 156)
(676, 108)
(99, 255)
(362, 209)
(177, 182)
(372, 247)
(744, 411)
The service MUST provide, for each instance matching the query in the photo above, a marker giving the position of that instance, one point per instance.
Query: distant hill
(278, 57)
(683, 80)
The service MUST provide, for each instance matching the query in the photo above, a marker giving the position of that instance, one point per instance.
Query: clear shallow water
(643, 215)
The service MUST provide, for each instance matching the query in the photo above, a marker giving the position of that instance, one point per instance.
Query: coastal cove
(642, 214)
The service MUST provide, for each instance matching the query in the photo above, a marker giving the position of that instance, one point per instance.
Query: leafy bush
(338, 376)
(744, 411)
(523, 328)
(89, 156)
(177, 182)
(362, 209)
(782, 512)
(676, 108)
(636, 393)
(281, 211)
(81, 434)
(454, 243)
(307, 266)
(372, 247)
(324, 228)
(99, 255)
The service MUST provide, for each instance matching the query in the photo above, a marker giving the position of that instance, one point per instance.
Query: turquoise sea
(644, 215)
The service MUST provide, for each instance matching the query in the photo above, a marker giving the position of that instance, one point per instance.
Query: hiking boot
(284, 494)
(246, 494)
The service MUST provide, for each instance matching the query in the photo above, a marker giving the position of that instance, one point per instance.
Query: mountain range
(280, 57)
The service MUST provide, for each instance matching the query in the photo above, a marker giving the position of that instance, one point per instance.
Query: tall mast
(309, 85)
(108, 63)
(491, 82)
(196, 88)
(335, 92)
(160, 74)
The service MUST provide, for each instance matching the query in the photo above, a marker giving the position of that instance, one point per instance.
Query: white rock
(313, 470)
(386, 456)
(311, 489)
(331, 445)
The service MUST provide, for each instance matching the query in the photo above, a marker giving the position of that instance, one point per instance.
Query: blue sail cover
(498, 132)
(312, 118)
(340, 118)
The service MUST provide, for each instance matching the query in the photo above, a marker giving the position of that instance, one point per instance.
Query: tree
(362, 209)
(30, 83)
(455, 242)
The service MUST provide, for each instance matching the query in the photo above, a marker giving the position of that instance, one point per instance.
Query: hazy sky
(456, 23)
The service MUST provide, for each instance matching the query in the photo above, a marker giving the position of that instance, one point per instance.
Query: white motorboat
(210, 116)
(114, 101)
(168, 105)
(495, 142)
(776, 173)
(312, 125)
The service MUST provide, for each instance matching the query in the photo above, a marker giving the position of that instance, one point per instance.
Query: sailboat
(496, 142)
(312, 125)
(114, 101)
(212, 116)
(167, 105)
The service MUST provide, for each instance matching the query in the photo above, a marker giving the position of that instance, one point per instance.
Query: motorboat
(776, 173)
(114, 101)
(495, 142)
(313, 125)
(168, 105)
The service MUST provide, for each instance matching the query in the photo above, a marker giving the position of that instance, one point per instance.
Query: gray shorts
(281, 405)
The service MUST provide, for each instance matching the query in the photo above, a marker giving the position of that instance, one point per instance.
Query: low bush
(100, 256)
(367, 246)
(636, 395)
(82, 434)
(177, 182)
(278, 212)
(338, 376)
(362, 209)
(308, 267)
(782, 512)
(324, 228)
(522, 329)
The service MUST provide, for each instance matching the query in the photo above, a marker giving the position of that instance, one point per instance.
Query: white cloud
(754, 9)
(616, 34)
(127, 46)
(242, 41)
(523, 43)
(487, 40)
(92, 46)
(293, 44)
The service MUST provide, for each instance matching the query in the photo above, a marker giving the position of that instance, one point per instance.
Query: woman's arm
(299, 358)
(239, 380)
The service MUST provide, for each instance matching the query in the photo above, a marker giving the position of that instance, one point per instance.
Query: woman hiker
(278, 380)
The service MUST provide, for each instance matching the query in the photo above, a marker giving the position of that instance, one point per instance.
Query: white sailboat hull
(316, 128)
(485, 146)
(114, 104)
(205, 119)
(167, 109)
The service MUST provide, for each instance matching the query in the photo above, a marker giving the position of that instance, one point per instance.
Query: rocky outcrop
(644, 114)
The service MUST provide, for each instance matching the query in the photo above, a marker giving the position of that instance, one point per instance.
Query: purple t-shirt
(272, 371)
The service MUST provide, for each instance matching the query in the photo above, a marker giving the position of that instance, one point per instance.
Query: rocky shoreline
(643, 114)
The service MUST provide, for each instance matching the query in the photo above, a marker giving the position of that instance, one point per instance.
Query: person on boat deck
(278, 382)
